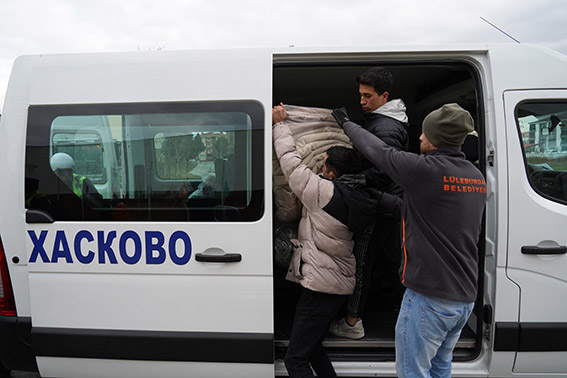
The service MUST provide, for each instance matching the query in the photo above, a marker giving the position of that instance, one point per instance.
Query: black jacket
(356, 205)
(395, 134)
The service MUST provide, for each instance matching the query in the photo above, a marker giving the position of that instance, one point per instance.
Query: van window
(542, 126)
(146, 162)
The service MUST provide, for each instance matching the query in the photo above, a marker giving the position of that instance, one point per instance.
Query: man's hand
(340, 116)
(279, 114)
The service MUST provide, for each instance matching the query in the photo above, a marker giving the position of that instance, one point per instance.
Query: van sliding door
(156, 260)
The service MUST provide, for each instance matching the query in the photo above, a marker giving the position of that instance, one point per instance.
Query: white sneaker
(342, 329)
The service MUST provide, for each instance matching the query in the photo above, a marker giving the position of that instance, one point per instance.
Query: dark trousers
(4, 373)
(313, 315)
(379, 253)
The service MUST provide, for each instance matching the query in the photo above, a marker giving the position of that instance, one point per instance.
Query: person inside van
(322, 261)
(34, 198)
(380, 243)
(63, 165)
(443, 205)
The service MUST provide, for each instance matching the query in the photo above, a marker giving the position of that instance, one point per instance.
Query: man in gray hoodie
(443, 205)
(387, 120)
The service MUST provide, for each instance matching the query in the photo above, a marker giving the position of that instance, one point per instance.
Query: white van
(173, 273)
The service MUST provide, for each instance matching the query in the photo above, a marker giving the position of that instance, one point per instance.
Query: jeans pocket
(437, 319)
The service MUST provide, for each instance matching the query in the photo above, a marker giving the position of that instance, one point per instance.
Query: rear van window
(146, 162)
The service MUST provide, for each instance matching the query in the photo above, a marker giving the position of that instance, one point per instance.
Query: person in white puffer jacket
(322, 262)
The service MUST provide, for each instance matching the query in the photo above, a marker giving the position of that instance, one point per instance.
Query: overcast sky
(70, 26)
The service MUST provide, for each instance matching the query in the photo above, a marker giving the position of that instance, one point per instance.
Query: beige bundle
(314, 131)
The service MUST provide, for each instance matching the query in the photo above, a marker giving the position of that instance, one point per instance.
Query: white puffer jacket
(323, 259)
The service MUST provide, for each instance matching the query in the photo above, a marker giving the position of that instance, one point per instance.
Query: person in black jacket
(380, 242)
(443, 205)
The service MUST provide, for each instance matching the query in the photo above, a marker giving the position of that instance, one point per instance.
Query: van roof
(126, 76)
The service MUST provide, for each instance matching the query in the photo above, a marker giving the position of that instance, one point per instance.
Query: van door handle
(226, 258)
(535, 250)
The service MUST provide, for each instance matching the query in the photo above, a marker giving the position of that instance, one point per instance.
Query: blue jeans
(427, 331)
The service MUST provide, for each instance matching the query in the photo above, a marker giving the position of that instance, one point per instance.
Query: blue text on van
(151, 247)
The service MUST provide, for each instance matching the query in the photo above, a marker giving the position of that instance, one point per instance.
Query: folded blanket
(314, 131)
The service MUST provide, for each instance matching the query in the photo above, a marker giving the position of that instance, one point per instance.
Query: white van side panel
(14, 116)
(197, 298)
(145, 369)
(537, 222)
(512, 68)
(141, 77)
(251, 295)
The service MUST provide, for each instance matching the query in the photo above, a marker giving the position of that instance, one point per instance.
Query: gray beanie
(448, 125)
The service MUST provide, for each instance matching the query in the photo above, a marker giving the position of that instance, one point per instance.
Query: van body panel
(535, 363)
(95, 295)
(75, 269)
(14, 114)
(150, 369)
(537, 249)
(190, 76)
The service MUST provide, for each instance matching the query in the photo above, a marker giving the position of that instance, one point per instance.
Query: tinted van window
(146, 162)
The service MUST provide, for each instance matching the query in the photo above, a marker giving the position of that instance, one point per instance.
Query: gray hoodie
(443, 203)
(395, 109)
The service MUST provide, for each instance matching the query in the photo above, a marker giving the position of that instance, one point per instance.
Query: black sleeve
(391, 132)
(390, 204)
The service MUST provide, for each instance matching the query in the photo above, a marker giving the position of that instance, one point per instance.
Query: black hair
(342, 160)
(378, 78)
